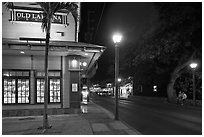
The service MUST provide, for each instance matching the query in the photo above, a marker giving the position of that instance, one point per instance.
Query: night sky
(131, 19)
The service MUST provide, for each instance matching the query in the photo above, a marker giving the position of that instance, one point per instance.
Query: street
(156, 118)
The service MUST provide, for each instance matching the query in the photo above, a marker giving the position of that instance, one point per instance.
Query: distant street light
(193, 66)
(116, 39)
(119, 79)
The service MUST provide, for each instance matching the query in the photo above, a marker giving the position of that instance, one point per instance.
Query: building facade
(23, 53)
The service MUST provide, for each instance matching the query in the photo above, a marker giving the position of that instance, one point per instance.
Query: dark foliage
(176, 39)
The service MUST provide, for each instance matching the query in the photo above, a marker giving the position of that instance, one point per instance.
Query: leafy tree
(174, 43)
(185, 83)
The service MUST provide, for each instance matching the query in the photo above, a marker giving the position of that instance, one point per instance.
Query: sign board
(74, 87)
(27, 16)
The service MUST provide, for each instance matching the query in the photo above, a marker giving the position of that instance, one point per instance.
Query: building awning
(87, 52)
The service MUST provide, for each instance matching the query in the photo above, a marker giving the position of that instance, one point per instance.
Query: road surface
(156, 117)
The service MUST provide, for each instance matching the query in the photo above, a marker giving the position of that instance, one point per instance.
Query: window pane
(57, 74)
(51, 99)
(19, 73)
(25, 73)
(38, 99)
(51, 74)
(54, 90)
(9, 91)
(12, 73)
(6, 73)
(27, 99)
(8, 100)
(11, 94)
(13, 100)
(5, 82)
(19, 100)
(40, 90)
(5, 100)
(40, 74)
(23, 90)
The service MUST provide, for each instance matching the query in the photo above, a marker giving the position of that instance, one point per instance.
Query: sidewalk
(93, 121)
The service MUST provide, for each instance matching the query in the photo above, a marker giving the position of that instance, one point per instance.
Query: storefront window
(9, 91)
(54, 90)
(16, 87)
(53, 87)
(40, 90)
(40, 74)
(19, 73)
(55, 74)
(23, 90)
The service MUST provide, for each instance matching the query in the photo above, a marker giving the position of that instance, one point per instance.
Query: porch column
(65, 82)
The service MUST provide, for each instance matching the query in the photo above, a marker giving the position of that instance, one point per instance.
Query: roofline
(41, 42)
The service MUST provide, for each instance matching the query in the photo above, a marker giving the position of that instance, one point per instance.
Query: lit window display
(9, 91)
(23, 90)
(40, 90)
(54, 90)
(16, 88)
(54, 86)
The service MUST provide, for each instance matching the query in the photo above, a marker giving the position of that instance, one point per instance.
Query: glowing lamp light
(193, 65)
(117, 38)
(119, 79)
(74, 63)
(155, 88)
(22, 52)
(84, 64)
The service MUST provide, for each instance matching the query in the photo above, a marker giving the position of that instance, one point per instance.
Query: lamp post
(193, 66)
(116, 39)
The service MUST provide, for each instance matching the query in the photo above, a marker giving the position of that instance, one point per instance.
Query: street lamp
(193, 66)
(116, 39)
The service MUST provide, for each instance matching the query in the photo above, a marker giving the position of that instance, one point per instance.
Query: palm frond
(49, 12)
(67, 7)
(44, 6)
(55, 7)
(8, 5)
(46, 14)
(44, 22)
(72, 7)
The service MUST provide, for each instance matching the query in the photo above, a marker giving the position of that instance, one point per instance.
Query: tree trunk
(171, 93)
(45, 116)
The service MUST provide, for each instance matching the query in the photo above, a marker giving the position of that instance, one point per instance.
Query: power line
(99, 20)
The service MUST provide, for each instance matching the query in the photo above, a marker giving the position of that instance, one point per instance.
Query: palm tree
(49, 9)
